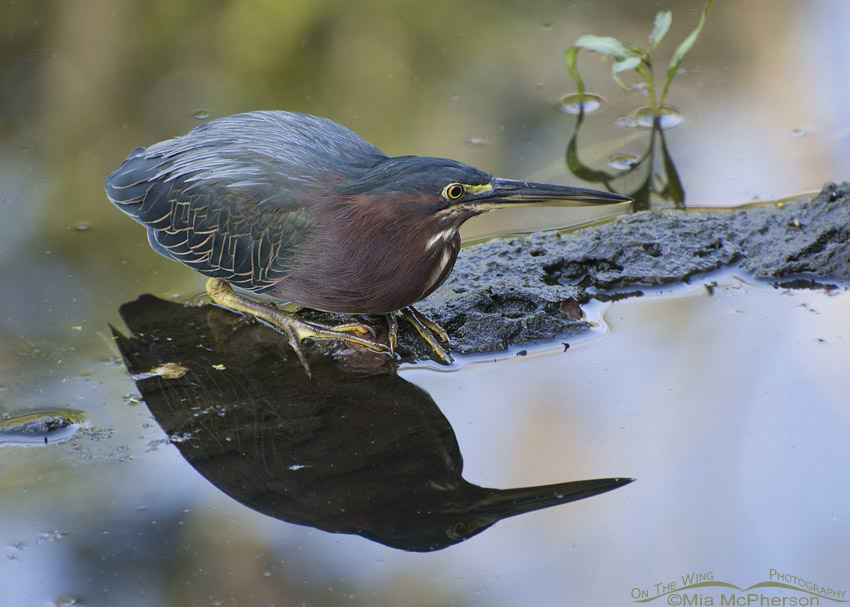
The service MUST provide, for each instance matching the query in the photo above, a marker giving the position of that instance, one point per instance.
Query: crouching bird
(302, 209)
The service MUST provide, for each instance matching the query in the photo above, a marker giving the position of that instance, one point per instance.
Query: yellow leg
(392, 331)
(295, 328)
(427, 328)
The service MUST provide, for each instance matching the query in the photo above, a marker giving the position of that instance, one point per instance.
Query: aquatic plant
(660, 179)
(627, 56)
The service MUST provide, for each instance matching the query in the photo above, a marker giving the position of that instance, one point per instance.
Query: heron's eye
(457, 531)
(453, 191)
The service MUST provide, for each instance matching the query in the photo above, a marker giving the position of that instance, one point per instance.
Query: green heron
(302, 209)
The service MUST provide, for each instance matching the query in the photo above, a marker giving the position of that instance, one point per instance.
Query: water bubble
(82, 227)
(623, 161)
(572, 104)
(201, 115)
(668, 117)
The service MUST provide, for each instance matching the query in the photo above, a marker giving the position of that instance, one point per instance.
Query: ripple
(572, 104)
(644, 117)
(623, 161)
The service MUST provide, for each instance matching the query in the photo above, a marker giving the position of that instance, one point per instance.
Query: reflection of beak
(508, 192)
(500, 504)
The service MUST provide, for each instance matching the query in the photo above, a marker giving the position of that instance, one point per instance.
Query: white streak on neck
(445, 257)
(443, 236)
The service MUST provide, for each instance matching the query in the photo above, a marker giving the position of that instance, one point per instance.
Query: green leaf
(606, 45)
(688, 42)
(629, 63)
(636, 50)
(577, 167)
(642, 195)
(625, 55)
(571, 57)
(683, 48)
(673, 191)
(663, 20)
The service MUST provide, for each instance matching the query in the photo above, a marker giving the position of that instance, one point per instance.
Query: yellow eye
(453, 191)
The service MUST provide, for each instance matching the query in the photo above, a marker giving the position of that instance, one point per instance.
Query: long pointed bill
(502, 504)
(505, 192)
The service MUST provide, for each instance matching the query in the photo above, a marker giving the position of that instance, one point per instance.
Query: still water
(728, 405)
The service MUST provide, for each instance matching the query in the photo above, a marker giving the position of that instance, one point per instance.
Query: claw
(298, 329)
(295, 328)
(427, 328)
(392, 332)
(356, 327)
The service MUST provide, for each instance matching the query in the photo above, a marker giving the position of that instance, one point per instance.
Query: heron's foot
(427, 328)
(295, 328)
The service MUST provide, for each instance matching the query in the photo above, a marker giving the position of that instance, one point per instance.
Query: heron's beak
(505, 192)
(503, 503)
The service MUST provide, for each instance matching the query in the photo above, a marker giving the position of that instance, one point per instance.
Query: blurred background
(116, 517)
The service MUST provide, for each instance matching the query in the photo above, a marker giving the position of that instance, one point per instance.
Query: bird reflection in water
(369, 455)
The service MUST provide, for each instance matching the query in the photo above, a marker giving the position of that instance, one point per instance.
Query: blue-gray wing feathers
(231, 198)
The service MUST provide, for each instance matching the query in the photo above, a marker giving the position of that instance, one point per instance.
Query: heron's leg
(427, 328)
(392, 331)
(295, 328)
